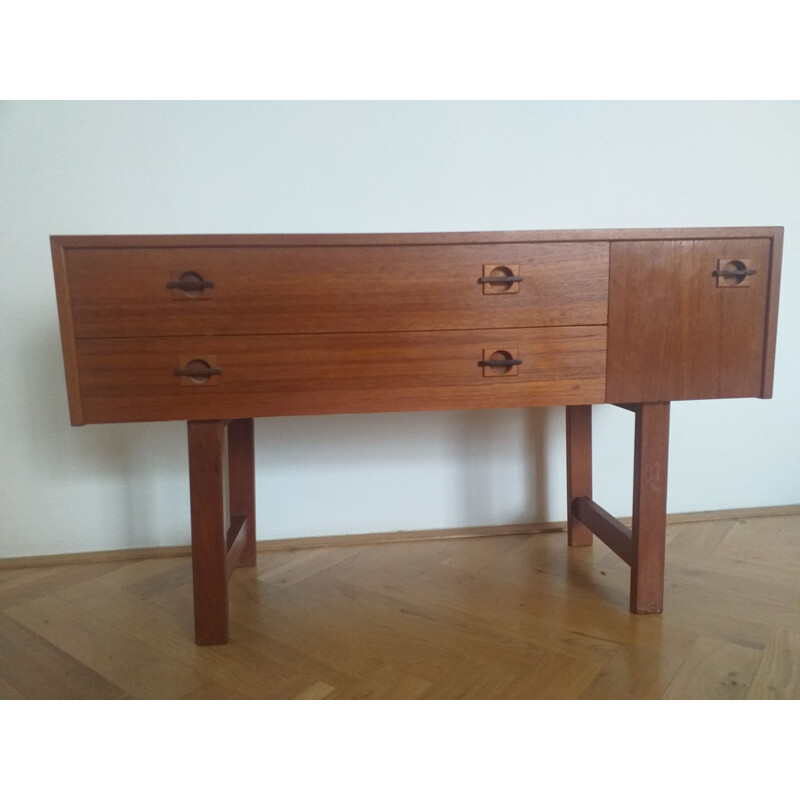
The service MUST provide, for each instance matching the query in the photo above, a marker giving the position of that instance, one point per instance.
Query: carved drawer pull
(499, 362)
(198, 371)
(191, 283)
(190, 286)
(500, 279)
(733, 273)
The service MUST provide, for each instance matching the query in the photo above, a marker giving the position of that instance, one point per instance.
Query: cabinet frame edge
(771, 329)
(67, 330)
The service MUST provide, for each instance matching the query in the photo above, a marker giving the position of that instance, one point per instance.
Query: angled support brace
(642, 546)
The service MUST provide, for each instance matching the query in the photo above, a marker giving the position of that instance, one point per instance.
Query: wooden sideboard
(218, 330)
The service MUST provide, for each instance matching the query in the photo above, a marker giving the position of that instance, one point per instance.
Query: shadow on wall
(540, 421)
(496, 491)
(401, 471)
(138, 471)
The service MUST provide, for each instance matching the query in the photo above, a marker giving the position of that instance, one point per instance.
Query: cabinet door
(677, 330)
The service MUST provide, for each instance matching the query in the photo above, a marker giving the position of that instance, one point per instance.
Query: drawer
(124, 291)
(135, 379)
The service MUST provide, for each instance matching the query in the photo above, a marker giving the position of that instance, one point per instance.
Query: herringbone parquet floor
(516, 616)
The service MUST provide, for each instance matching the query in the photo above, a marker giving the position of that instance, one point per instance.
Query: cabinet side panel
(776, 257)
(67, 328)
(676, 331)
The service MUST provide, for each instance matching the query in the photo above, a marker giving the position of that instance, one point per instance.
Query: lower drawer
(224, 377)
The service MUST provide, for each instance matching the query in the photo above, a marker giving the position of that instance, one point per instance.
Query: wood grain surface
(515, 617)
(133, 379)
(648, 529)
(118, 291)
(210, 520)
(673, 333)
(437, 238)
(579, 471)
(671, 336)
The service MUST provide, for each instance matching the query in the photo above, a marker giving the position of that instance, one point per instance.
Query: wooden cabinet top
(355, 239)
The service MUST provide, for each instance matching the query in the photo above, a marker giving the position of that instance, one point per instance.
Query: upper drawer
(123, 291)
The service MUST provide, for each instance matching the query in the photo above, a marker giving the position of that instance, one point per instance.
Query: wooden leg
(649, 507)
(242, 482)
(207, 467)
(223, 496)
(579, 470)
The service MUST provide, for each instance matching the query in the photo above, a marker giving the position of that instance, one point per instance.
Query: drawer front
(135, 291)
(216, 378)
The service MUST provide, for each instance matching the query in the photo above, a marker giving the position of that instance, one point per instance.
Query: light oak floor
(518, 616)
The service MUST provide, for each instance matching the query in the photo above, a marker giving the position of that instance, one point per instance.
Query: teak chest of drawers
(217, 330)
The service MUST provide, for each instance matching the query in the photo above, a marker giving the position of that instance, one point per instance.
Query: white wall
(113, 168)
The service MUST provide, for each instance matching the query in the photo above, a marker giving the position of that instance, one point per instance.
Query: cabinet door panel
(677, 331)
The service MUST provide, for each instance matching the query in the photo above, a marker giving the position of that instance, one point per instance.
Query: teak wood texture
(211, 329)
(336, 373)
(317, 289)
(677, 333)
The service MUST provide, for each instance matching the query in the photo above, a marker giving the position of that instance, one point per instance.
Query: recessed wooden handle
(191, 283)
(500, 279)
(733, 273)
(499, 362)
(190, 286)
(197, 371)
